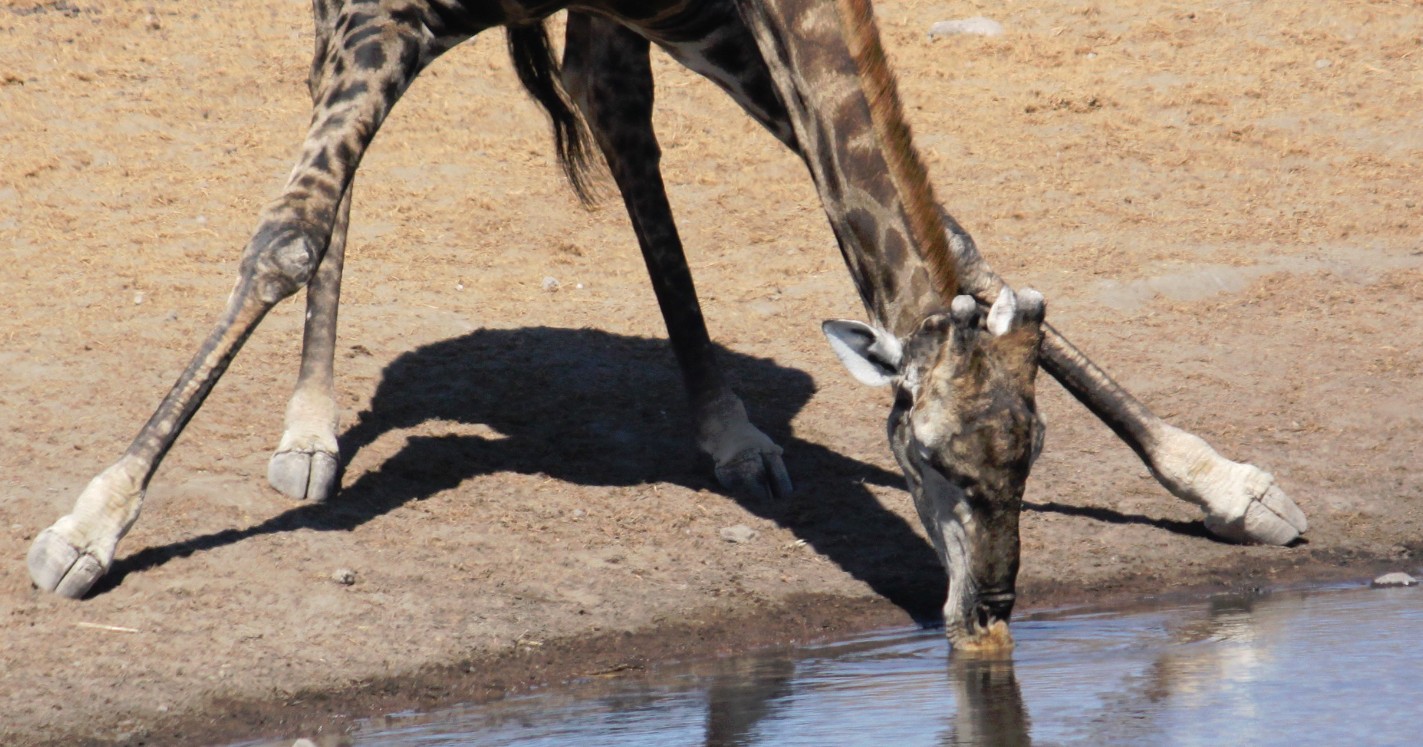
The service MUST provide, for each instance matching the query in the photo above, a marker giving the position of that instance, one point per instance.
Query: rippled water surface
(1321, 667)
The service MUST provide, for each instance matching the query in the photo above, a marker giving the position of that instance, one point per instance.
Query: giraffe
(368, 52)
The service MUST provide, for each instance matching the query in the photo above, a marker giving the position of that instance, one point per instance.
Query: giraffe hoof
(304, 475)
(755, 472)
(1241, 501)
(1271, 518)
(62, 566)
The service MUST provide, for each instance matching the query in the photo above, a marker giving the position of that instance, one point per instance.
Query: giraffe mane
(907, 171)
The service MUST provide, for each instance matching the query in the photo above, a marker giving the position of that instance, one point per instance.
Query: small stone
(550, 284)
(138, 298)
(1394, 579)
(976, 26)
(303, 743)
(344, 576)
(1322, 64)
(739, 534)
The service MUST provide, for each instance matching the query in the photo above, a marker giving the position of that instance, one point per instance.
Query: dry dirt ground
(1219, 199)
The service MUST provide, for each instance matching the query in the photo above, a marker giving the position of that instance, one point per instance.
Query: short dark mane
(892, 129)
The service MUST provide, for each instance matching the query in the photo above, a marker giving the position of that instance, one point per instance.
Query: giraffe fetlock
(747, 460)
(72, 554)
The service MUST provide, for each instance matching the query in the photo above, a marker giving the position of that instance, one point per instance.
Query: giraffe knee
(280, 260)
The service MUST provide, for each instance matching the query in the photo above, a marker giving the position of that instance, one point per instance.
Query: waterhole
(1325, 666)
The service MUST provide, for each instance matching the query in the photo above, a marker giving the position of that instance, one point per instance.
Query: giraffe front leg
(73, 553)
(307, 463)
(608, 73)
(361, 79)
(1241, 501)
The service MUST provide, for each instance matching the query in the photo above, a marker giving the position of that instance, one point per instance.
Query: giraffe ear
(873, 356)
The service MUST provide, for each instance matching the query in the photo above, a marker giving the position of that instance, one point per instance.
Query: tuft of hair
(542, 76)
(910, 177)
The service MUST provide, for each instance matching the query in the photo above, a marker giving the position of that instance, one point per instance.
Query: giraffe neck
(845, 111)
(910, 177)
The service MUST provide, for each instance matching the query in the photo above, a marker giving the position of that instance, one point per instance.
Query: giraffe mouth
(983, 631)
(991, 640)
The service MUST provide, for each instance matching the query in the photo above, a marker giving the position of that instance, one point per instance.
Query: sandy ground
(1220, 201)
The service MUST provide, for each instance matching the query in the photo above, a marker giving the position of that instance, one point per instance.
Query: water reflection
(986, 707)
(738, 699)
(990, 708)
(1288, 668)
(1169, 667)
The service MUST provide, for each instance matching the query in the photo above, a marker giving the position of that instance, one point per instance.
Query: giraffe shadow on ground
(600, 409)
(597, 409)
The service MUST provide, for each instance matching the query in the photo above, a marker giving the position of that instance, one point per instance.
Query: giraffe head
(965, 430)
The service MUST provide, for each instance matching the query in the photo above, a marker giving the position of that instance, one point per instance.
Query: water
(1319, 667)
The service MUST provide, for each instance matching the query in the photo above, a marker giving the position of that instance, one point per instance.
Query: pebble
(550, 284)
(739, 534)
(1394, 579)
(976, 26)
(344, 576)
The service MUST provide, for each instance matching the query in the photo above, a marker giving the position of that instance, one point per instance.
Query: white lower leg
(71, 555)
(1241, 501)
(746, 459)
